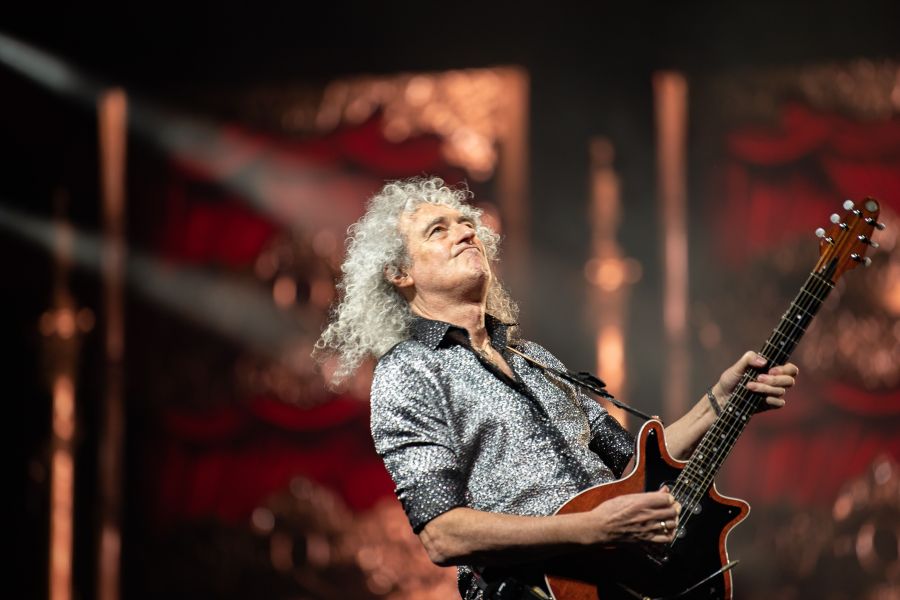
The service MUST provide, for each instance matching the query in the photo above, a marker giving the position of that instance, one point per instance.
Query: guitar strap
(584, 380)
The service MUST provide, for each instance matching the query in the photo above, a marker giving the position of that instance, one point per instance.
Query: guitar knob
(835, 218)
(848, 204)
(820, 233)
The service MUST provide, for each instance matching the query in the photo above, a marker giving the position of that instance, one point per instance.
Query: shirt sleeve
(413, 438)
(611, 442)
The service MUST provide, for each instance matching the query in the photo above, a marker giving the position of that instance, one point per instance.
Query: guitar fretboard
(698, 475)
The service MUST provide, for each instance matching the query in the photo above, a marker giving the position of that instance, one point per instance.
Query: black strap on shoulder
(584, 380)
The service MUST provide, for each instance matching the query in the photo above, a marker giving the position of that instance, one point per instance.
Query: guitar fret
(813, 296)
(791, 323)
(803, 310)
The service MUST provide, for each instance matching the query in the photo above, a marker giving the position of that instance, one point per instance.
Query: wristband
(715, 403)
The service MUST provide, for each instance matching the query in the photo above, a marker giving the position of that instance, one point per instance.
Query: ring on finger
(664, 527)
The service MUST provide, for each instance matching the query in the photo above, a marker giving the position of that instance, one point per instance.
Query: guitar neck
(698, 475)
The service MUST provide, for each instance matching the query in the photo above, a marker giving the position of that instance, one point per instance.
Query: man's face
(446, 256)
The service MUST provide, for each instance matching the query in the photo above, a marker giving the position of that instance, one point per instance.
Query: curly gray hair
(371, 316)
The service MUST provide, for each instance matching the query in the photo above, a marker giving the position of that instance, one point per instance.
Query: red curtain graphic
(794, 175)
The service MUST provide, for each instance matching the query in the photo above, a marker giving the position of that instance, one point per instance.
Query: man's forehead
(426, 211)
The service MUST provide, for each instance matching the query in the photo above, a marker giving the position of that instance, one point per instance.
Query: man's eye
(436, 229)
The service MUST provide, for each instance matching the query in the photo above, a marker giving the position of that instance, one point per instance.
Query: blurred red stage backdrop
(782, 149)
(248, 478)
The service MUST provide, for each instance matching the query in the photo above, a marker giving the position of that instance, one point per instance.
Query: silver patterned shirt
(454, 430)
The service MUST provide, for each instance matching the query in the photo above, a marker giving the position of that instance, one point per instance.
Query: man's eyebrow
(432, 223)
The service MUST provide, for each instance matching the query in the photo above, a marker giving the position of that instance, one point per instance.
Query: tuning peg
(848, 204)
(865, 261)
(820, 233)
(835, 218)
(866, 240)
(873, 222)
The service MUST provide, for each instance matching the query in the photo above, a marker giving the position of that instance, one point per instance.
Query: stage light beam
(224, 304)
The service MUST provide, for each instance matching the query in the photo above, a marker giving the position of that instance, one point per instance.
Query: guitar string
(792, 336)
(817, 288)
(725, 429)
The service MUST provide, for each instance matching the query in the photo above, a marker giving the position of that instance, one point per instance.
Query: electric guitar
(696, 564)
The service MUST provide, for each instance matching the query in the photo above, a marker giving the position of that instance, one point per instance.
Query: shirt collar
(435, 333)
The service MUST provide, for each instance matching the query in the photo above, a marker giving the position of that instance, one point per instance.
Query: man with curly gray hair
(483, 444)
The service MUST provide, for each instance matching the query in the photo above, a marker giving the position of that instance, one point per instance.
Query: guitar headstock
(845, 243)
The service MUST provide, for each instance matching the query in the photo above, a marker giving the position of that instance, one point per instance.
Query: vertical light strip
(62, 489)
(609, 273)
(513, 167)
(671, 97)
(112, 109)
(59, 326)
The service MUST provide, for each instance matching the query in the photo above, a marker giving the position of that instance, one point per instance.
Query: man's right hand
(647, 517)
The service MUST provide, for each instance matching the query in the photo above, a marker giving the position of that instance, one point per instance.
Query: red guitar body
(692, 567)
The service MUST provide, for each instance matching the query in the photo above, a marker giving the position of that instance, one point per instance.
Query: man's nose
(463, 233)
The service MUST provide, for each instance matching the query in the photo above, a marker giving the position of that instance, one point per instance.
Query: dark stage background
(256, 135)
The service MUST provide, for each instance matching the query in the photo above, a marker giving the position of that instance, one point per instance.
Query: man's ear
(398, 277)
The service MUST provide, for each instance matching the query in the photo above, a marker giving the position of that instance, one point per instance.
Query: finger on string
(660, 498)
(664, 514)
(786, 369)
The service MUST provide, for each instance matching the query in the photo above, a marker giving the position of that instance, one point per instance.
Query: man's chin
(473, 279)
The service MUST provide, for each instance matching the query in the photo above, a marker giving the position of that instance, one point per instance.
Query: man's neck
(468, 315)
